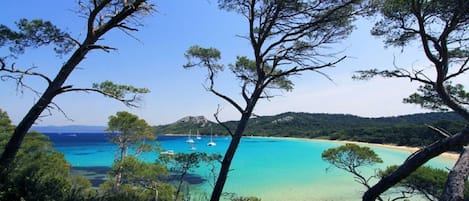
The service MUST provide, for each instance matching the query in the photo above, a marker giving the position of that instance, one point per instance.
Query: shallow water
(270, 168)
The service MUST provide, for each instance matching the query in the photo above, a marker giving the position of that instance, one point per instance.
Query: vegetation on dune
(408, 130)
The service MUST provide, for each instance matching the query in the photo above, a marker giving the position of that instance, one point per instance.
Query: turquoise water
(270, 168)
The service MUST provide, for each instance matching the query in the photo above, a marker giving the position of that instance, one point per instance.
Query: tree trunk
(181, 179)
(94, 33)
(52, 90)
(416, 160)
(227, 159)
(456, 183)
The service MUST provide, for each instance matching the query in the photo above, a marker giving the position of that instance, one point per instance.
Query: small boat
(168, 152)
(193, 148)
(211, 143)
(189, 139)
(198, 135)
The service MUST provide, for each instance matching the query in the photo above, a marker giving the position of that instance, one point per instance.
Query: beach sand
(447, 155)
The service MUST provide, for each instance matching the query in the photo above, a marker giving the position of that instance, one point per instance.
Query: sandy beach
(446, 155)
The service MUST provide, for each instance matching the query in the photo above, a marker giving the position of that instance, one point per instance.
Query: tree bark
(227, 159)
(457, 178)
(416, 160)
(55, 87)
(52, 90)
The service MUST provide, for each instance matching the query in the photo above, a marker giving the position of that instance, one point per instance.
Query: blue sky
(155, 61)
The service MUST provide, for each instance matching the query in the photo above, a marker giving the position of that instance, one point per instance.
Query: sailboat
(198, 135)
(189, 139)
(211, 143)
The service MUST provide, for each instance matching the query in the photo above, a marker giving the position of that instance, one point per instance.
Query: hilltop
(410, 130)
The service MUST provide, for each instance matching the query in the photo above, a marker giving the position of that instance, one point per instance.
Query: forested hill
(410, 130)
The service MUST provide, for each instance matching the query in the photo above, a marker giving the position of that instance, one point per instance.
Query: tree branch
(23, 72)
(212, 89)
(461, 70)
(128, 102)
(102, 47)
(295, 70)
(439, 131)
(416, 160)
(221, 123)
(94, 13)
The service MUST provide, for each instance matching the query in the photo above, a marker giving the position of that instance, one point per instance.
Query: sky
(153, 58)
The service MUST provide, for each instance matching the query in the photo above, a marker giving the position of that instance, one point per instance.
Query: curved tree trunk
(227, 159)
(457, 178)
(55, 87)
(416, 160)
(52, 90)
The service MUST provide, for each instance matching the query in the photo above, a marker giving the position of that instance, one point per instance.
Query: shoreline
(446, 155)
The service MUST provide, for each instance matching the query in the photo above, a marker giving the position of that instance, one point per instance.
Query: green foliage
(349, 157)
(128, 192)
(183, 163)
(40, 173)
(205, 57)
(128, 130)
(120, 92)
(245, 70)
(399, 20)
(5, 123)
(139, 181)
(427, 181)
(136, 172)
(35, 33)
(408, 130)
(428, 98)
(439, 27)
(81, 189)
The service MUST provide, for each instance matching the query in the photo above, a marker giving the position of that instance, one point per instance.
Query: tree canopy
(127, 129)
(351, 157)
(38, 172)
(440, 28)
(101, 17)
(286, 38)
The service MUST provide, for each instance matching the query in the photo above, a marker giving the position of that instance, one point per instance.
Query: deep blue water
(94, 149)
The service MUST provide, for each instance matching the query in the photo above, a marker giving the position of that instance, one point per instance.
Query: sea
(273, 169)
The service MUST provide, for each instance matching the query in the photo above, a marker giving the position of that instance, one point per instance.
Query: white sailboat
(211, 143)
(198, 135)
(189, 139)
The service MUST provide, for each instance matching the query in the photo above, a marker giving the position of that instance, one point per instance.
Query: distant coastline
(69, 129)
(446, 155)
